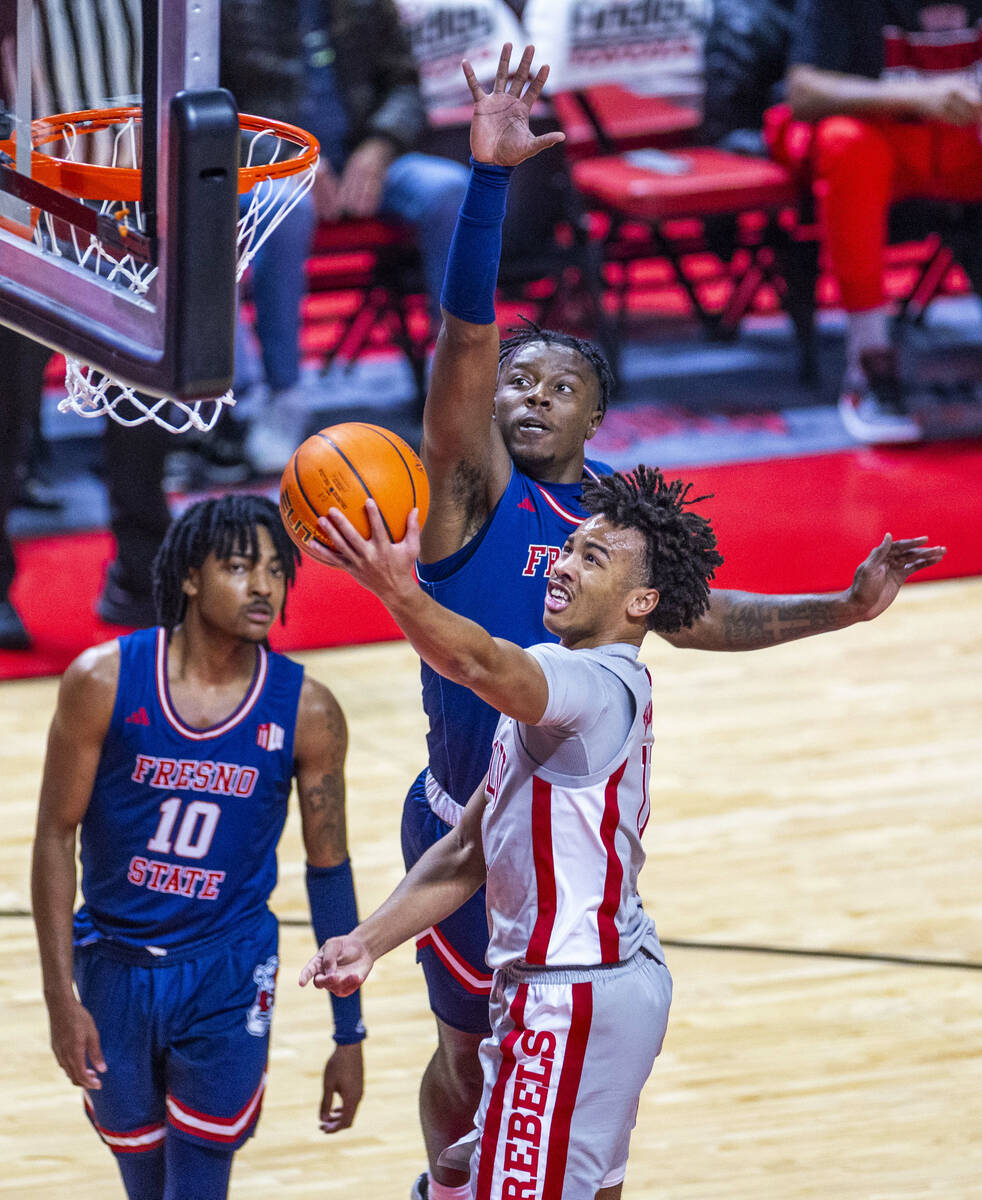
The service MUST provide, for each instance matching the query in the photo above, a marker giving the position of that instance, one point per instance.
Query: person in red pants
(893, 90)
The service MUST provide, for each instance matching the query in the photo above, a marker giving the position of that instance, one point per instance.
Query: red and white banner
(443, 32)
(654, 47)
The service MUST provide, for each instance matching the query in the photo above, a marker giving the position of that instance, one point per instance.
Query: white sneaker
(874, 411)
(869, 421)
(276, 431)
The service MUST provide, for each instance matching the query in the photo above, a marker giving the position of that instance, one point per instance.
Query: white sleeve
(588, 715)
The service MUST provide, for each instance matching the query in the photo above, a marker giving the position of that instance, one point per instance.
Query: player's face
(546, 406)
(241, 595)
(596, 586)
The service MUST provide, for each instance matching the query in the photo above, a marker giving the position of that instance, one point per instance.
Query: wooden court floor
(814, 868)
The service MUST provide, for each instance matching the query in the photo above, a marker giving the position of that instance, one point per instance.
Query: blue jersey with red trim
(178, 844)
(498, 580)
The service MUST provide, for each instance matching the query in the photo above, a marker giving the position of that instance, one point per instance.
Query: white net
(91, 392)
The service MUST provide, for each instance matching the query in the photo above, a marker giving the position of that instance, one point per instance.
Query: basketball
(341, 467)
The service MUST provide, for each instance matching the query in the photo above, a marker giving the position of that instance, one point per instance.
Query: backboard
(173, 334)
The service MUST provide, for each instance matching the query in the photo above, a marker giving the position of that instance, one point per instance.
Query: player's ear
(191, 583)
(595, 418)
(643, 602)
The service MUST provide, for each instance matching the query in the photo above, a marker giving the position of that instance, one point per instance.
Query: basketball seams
(386, 437)
(323, 472)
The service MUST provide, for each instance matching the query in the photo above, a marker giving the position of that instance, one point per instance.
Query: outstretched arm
(751, 621)
(320, 745)
(465, 458)
(446, 876)
(501, 673)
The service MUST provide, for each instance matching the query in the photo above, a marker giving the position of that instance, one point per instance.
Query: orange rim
(92, 182)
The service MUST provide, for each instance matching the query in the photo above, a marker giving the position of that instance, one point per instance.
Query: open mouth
(557, 597)
(531, 425)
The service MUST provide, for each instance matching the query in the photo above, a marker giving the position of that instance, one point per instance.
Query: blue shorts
(185, 1041)
(453, 954)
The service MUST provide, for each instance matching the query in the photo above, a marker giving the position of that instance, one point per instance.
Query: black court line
(901, 960)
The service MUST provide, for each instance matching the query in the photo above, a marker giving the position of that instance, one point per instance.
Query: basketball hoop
(280, 168)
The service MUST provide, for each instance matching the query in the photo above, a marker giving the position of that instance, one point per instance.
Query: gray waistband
(525, 973)
(441, 802)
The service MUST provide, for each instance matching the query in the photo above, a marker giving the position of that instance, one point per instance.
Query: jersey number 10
(195, 832)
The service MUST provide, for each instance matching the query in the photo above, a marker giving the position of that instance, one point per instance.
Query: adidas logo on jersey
(526, 504)
(139, 717)
(270, 736)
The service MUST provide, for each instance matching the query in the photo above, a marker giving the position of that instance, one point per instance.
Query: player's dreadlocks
(224, 526)
(681, 554)
(530, 333)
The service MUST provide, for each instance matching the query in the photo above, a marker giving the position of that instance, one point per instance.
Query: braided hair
(530, 333)
(223, 527)
(680, 546)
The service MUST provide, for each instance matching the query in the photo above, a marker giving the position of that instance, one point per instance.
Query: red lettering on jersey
(190, 878)
(554, 553)
(512, 1189)
(246, 781)
(516, 1159)
(209, 890)
(173, 883)
(137, 872)
(536, 555)
(166, 767)
(156, 869)
(531, 1096)
(143, 764)
(496, 769)
(183, 778)
(202, 776)
(539, 1045)
(224, 778)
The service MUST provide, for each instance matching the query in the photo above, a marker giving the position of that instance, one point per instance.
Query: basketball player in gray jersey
(580, 998)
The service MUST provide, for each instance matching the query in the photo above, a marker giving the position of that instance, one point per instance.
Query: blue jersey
(178, 844)
(498, 580)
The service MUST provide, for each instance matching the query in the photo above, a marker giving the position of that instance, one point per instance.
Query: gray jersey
(568, 802)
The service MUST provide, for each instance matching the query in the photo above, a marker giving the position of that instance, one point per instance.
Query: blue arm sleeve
(333, 912)
(475, 251)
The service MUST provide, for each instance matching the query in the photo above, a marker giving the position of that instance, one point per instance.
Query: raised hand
(880, 576)
(500, 124)
(385, 568)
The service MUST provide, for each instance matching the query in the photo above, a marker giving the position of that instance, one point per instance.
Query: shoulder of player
(319, 714)
(88, 687)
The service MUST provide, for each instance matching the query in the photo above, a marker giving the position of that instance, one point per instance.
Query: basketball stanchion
(279, 170)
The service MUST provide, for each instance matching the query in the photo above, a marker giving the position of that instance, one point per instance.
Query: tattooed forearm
(322, 814)
(753, 624)
(749, 621)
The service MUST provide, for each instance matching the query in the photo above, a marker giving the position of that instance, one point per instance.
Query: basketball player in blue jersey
(504, 434)
(172, 752)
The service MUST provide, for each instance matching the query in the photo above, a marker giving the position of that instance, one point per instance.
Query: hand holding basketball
(341, 468)
(382, 566)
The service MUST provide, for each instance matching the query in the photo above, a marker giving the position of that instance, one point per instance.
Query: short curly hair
(681, 555)
(529, 333)
(222, 527)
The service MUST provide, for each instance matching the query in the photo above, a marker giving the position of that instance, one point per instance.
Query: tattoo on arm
(322, 805)
(756, 623)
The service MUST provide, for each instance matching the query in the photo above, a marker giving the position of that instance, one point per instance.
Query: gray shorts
(568, 1055)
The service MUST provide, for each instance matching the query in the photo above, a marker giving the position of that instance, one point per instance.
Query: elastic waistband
(524, 973)
(441, 802)
(170, 956)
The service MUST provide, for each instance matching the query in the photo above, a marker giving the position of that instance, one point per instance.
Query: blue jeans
(420, 189)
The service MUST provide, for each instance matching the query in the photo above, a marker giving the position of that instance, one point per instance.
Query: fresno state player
(172, 751)
(580, 996)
